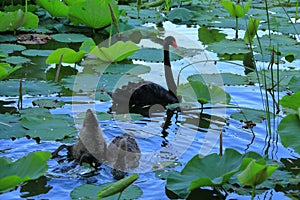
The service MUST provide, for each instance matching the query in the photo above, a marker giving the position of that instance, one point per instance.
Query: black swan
(139, 97)
(122, 153)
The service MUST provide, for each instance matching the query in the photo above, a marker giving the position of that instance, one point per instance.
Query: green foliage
(220, 79)
(251, 29)
(10, 48)
(56, 8)
(10, 126)
(197, 91)
(92, 13)
(89, 191)
(152, 55)
(255, 173)
(6, 70)
(49, 127)
(68, 56)
(36, 52)
(16, 60)
(116, 52)
(208, 36)
(248, 114)
(117, 187)
(292, 101)
(294, 84)
(11, 88)
(236, 10)
(11, 21)
(69, 37)
(48, 103)
(203, 171)
(27, 168)
(180, 15)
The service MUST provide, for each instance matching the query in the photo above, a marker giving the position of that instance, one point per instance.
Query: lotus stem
(58, 68)
(221, 143)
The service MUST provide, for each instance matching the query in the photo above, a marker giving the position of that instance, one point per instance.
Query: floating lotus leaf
(89, 191)
(69, 37)
(48, 103)
(36, 52)
(294, 84)
(202, 171)
(16, 60)
(8, 38)
(197, 91)
(208, 36)
(116, 52)
(10, 127)
(11, 88)
(232, 47)
(10, 48)
(220, 79)
(92, 13)
(49, 127)
(69, 56)
(283, 79)
(153, 55)
(56, 8)
(248, 114)
(180, 15)
(26, 168)
(115, 68)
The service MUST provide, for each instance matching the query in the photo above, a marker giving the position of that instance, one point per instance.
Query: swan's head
(170, 40)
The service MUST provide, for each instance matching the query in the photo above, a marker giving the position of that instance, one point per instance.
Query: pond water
(189, 134)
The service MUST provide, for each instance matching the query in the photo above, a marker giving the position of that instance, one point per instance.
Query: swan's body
(122, 153)
(139, 97)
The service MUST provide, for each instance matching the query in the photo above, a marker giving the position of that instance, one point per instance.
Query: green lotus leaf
(16, 60)
(232, 47)
(69, 56)
(92, 13)
(11, 88)
(255, 173)
(69, 37)
(10, 48)
(180, 15)
(8, 38)
(89, 191)
(48, 103)
(294, 84)
(248, 114)
(115, 68)
(26, 168)
(56, 8)
(6, 70)
(208, 36)
(197, 91)
(251, 29)
(49, 127)
(236, 10)
(116, 52)
(10, 126)
(292, 102)
(202, 171)
(288, 130)
(153, 55)
(30, 20)
(220, 79)
(272, 79)
(36, 52)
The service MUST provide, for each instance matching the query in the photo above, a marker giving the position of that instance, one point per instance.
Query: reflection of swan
(122, 153)
(139, 97)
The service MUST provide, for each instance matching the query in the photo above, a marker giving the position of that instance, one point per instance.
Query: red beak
(174, 44)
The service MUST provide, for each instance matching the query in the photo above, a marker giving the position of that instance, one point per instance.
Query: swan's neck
(168, 71)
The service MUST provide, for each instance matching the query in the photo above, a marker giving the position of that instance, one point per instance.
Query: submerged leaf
(208, 36)
(27, 168)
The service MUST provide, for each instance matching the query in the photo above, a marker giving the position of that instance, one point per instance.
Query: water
(180, 141)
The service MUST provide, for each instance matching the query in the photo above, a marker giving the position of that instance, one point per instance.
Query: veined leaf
(251, 29)
(69, 56)
(116, 52)
(56, 8)
(27, 168)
